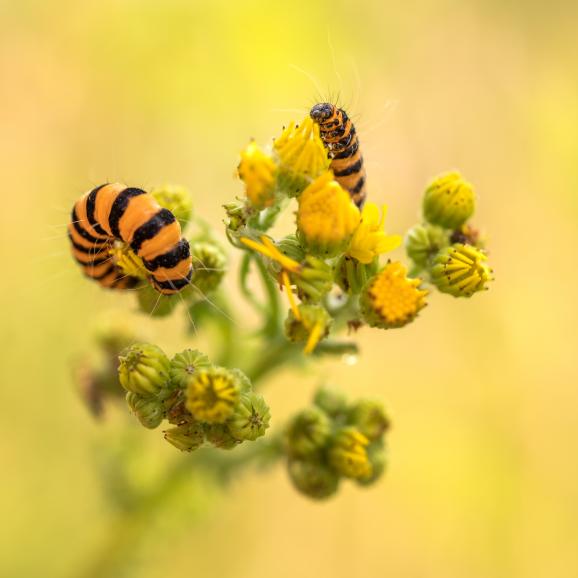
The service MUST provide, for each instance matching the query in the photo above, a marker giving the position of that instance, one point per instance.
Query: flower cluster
(203, 402)
(445, 246)
(335, 247)
(333, 440)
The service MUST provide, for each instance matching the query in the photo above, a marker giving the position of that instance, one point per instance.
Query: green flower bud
(212, 394)
(184, 364)
(313, 479)
(186, 437)
(244, 383)
(378, 460)
(460, 270)
(154, 303)
(251, 418)
(209, 266)
(351, 275)
(315, 279)
(236, 216)
(449, 201)
(291, 247)
(369, 418)
(307, 432)
(331, 401)
(348, 454)
(220, 436)
(177, 200)
(143, 369)
(312, 325)
(422, 242)
(148, 410)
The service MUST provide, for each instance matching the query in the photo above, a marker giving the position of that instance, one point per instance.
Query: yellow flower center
(127, 260)
(211, 395)
(394, 297)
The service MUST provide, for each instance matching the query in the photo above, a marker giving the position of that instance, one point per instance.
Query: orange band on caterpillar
(340, 138)
(115, 212)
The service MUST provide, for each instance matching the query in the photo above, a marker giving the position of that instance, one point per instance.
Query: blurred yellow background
(483, 478)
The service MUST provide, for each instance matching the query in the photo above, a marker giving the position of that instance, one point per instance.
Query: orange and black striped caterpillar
(340, 138)
(115, 212)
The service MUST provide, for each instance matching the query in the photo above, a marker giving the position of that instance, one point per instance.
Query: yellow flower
(302, 156)
(327, 217)
(460, 270)
(212, 394)
(257, 170)
(369, 239)
(390, 299)
(128, 261)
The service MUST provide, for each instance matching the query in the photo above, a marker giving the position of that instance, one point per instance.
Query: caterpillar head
(322, 112)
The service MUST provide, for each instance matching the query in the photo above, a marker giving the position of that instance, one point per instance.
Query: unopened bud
(177, 200)
(313, 478)
(449, 201)
(184, 365)
(307, 432)
(143, 369)
(148, 410)
(186, 437)
(251, 417)
(348, 454)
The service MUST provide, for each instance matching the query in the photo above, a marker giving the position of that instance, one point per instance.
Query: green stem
(130, 526)
(279, 352)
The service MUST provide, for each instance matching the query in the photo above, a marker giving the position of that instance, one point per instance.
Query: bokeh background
(484, 471)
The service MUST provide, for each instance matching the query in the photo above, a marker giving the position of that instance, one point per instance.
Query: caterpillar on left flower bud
(113, 213)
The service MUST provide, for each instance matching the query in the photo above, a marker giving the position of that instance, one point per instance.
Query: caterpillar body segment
(114, 212)
(340, 138)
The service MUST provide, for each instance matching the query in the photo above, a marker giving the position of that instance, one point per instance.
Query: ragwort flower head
(186, 437)
(185, 364)
(143, 369)
(212, 393)
(390, 299)
(257, 170)
(449, 201)
(369, 239)
(461, 270)
(302, 156)
(327, 218)
(313, 478)
(251, 418)
(348, 454)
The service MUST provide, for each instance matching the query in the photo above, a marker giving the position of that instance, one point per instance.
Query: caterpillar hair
(115, 212)
(340, 138)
